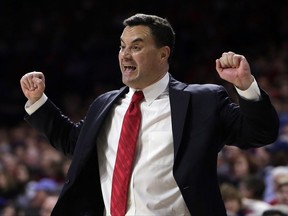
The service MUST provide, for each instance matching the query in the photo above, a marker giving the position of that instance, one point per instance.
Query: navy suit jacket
(203, 121)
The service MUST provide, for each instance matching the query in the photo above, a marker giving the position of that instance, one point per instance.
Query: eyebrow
(134, 41)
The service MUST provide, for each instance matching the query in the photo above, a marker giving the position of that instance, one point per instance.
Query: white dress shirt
(152, 189)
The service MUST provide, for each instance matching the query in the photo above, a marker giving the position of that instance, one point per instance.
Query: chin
(131, 85)
(129, 81)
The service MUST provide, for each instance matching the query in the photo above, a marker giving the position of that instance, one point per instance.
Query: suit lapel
(109, 104)
(178, 113)
(92, 127)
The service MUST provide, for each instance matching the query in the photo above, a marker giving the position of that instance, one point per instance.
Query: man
(183, 128)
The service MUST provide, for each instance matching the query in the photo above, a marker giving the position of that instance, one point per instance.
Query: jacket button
(185, 188)
(67, 181)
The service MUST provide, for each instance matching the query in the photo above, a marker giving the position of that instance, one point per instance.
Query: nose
(125, 53)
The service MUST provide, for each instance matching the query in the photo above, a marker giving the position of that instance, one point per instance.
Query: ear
(164, 53)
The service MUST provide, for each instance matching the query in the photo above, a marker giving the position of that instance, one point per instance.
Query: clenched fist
(33, 85)
(235, 69)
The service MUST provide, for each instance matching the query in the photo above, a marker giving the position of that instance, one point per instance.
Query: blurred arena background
(75, 44)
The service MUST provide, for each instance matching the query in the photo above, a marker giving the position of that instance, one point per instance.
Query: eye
(121, 47)
(135, 48)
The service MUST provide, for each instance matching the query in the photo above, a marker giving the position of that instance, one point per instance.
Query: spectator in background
(12, 209)
(242, 166)
(281, 191)
(274, 213)
(235, 164)
(279, 150)
(232, 200)
(8, 189)
(39, 191)
(252, 188)
(48, 205)
(280, 210)
(275, 176)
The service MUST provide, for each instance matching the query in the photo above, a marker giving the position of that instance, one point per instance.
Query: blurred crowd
(76, 44)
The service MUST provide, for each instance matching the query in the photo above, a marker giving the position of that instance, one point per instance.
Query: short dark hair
(273, 212)
(255, 184)
(160, 28)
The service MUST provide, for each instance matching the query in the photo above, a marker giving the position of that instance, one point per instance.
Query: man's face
(141, 62)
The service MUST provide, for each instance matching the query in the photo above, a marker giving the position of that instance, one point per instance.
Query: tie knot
(137, 97)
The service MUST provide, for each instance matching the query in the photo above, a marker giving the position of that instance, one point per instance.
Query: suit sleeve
(251, 124)
(59, 129)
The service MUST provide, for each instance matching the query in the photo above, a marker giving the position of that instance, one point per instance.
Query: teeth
(130, 67)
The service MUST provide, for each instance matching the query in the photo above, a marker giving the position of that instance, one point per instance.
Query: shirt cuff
(252, 93)
(31, 108)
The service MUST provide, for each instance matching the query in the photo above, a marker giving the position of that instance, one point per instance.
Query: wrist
(244, 85)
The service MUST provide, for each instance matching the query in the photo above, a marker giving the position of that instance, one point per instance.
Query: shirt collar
(155, 90)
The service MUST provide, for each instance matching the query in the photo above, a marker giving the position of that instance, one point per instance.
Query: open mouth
(129, 68)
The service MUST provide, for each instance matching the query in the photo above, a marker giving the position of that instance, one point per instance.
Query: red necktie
(125, 156)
